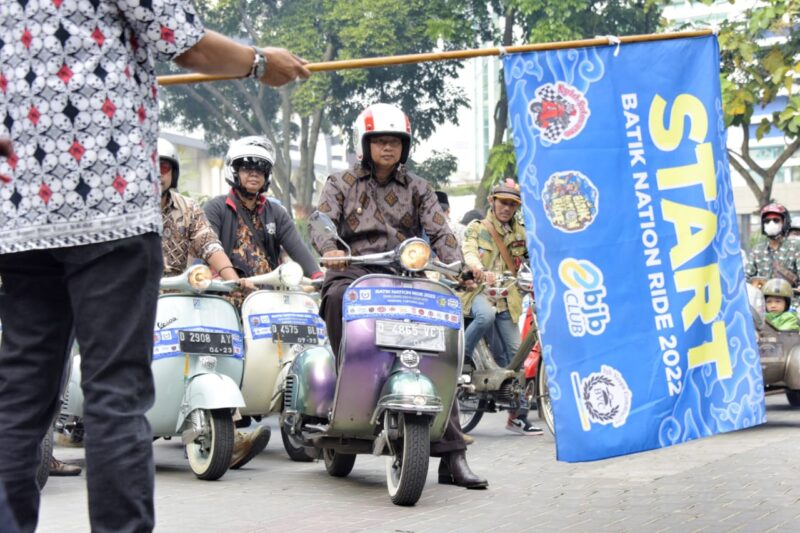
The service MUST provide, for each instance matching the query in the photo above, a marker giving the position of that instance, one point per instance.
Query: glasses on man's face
(391, 142)
(164, 166)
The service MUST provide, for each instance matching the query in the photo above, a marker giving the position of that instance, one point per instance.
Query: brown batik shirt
(248, 252)
(375, 217)
(187, 233)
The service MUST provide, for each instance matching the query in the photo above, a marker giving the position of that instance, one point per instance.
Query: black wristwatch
(259, 65)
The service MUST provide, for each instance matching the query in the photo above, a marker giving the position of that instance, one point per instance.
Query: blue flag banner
(646, 331)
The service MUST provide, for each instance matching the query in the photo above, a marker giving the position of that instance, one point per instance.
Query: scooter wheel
(210, 455)
(407, 469)
(338, 464)
(294, 450)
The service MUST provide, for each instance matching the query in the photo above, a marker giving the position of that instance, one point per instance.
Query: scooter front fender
(409, 391)
(209, 391)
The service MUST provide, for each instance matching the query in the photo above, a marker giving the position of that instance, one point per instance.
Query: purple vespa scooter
(401, 356)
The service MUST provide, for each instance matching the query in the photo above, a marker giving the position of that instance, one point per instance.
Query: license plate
(206, 342)
(295, 333)
(410, 335)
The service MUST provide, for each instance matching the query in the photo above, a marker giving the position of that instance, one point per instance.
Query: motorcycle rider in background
(777, 256)
(376, 205)
(494, 245)
(188, 234)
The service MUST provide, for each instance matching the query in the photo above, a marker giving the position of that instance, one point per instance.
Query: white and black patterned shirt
(78, 98)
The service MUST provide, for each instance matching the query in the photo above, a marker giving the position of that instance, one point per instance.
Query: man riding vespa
(252, 228)
(497, 244)
(376, 205)
(187, 233)
(777, 257)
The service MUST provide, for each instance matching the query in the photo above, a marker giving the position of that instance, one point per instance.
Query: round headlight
(409, 358)
(414, 254)
(291, 274)
(200, 277)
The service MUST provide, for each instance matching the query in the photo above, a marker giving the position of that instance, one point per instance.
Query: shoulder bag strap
(501, 246)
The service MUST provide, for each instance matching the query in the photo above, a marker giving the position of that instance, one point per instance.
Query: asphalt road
(743, 481)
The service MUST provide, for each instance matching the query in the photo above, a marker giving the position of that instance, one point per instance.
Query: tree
(437, 169)
(549, 21)
(323, 30)
(760, 61)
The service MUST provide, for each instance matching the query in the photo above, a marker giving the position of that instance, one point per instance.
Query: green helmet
(777, 287)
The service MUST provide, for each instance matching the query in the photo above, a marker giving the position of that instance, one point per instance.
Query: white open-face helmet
(253, 151)
(167, 152)
(381, 119)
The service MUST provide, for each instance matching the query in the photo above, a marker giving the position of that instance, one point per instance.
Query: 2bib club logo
(584, 299)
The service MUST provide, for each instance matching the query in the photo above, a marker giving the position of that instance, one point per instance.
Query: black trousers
(336, 283)
(109, 292)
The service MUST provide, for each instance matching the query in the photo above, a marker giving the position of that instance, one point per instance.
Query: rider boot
(248, 445)
(454, 470)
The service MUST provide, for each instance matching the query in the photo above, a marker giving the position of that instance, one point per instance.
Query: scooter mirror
(322, 223)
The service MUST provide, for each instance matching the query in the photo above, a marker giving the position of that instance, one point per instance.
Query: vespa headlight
(200, 278)
(291, 274)
(414, 254)
(409, 358)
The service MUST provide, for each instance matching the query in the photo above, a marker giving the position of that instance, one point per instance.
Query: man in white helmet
(251, 228)
(187, 234)
(376, 205)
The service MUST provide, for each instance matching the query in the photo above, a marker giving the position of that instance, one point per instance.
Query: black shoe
(454, 470)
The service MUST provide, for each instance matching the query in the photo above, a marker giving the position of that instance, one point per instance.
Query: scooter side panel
(265, 354)
(365, 368)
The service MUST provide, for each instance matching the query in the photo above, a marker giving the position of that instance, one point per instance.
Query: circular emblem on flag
(571, 201)
(559, 111)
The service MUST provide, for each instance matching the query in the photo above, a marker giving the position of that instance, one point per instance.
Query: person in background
(778, 295)
(777, 256)
(187, 234)
(497, 244)
(80, 243)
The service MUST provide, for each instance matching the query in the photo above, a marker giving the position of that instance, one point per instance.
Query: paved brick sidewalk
(743, 481)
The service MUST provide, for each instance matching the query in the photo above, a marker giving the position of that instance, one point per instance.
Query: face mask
(772, 228)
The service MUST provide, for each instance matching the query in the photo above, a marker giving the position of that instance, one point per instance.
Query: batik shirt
(784, 262)
(376, 217)
(248, 252)
(80, 104)
(187, 234)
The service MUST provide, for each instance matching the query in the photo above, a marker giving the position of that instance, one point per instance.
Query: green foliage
(502, 164)
(760, 54)
(437, 169)
(323, 30)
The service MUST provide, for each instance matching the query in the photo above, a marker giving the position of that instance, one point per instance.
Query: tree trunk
(286, 134)
(500, 116)
(301, 176)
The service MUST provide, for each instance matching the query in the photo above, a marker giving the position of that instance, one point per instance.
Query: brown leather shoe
(454, 470)
(248, 445)
(58, 468)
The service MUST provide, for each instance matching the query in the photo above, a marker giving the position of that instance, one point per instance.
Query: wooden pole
(369, 62)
